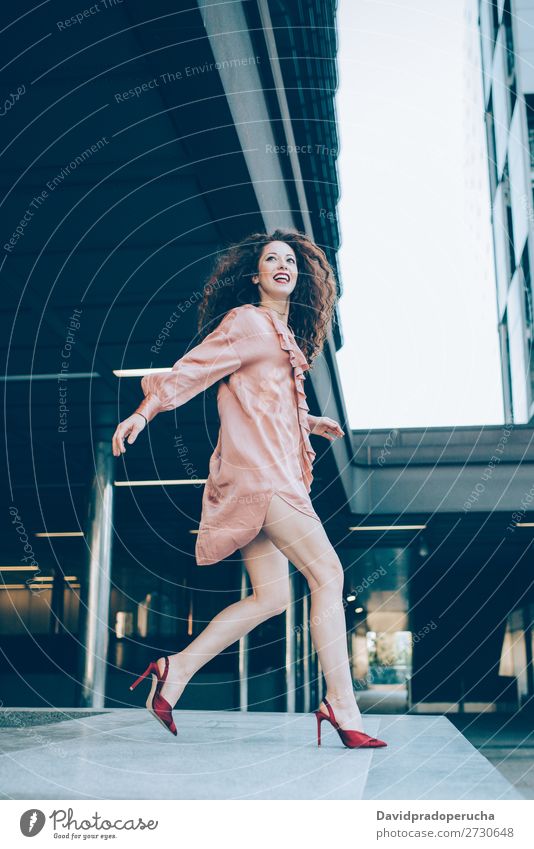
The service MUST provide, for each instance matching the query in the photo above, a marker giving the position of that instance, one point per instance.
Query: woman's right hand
(130, 427)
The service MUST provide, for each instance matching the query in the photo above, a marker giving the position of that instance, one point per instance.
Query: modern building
(507, 50)
(478, 260)
(146, 146)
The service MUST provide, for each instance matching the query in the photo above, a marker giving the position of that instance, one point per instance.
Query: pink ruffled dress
(263, 445)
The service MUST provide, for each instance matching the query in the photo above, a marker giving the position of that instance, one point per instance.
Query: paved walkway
(507, 741)
(126, 754)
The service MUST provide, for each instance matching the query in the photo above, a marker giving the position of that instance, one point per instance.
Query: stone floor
(507, 741)
(127, 754)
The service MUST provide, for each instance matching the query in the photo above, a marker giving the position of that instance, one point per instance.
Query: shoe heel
(319, 715)
(151, 667)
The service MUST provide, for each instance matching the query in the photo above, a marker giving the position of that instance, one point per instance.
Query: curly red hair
(312, 301)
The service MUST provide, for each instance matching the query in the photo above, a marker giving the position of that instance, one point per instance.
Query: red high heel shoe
(351, 739)
(156, 704)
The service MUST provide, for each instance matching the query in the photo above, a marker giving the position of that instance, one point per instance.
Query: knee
(272, 604)
(327, 574)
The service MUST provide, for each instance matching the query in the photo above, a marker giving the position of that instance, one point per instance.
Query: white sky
(419, 307)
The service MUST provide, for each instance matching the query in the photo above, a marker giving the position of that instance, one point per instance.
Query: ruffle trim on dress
(300, 365)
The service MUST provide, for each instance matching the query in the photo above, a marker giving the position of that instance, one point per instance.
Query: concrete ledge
(127, 754)
(467, 707)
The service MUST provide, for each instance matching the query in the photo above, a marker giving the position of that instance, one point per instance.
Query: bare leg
(305, 542)
(268, 571)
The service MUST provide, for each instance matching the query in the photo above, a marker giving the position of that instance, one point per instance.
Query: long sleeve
(218, 355)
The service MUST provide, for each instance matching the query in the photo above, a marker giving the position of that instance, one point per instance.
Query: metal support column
(527, 629)
(97, 583)
(290, 646)
(243, 651)
(306, 651)
(320, 681)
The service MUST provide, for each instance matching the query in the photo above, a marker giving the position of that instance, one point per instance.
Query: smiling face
(277, 273)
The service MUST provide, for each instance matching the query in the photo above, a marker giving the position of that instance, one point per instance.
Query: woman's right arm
(233, 342)
(218, 355)
(129, 428)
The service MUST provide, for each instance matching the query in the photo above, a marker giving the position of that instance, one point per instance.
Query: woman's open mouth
(281, 277)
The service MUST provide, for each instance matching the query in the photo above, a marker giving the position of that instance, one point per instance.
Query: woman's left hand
(323, 426)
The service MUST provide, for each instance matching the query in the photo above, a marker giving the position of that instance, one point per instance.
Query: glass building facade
(507, 50)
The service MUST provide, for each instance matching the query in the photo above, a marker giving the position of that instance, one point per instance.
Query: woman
(256, 499)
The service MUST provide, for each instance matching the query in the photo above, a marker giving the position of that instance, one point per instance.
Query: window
(509, 219)
(506, 375)
(510, 54)
(529, 103)
(492, 155)
(529, 315)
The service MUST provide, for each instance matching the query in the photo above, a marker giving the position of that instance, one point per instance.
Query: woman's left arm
(324, 426)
